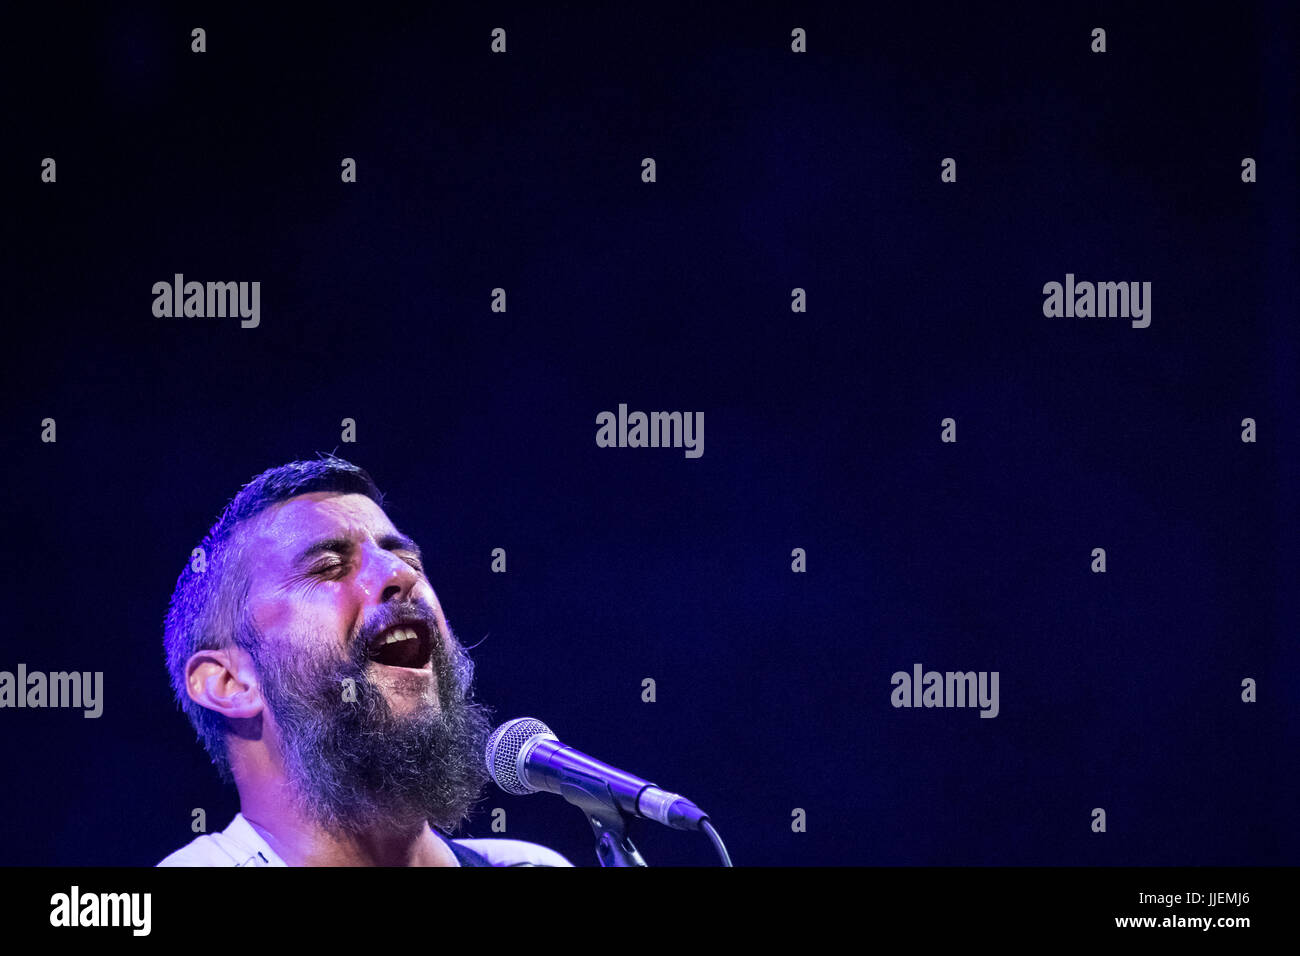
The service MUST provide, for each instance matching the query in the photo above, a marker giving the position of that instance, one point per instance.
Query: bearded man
(310, 652)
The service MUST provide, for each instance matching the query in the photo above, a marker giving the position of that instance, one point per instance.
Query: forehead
(289, 525)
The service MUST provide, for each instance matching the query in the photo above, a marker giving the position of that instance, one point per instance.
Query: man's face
(330, 575)
(368, 689)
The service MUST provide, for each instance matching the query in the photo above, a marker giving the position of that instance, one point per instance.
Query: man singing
(310, 653)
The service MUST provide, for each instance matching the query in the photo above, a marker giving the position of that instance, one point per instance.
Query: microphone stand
(596, 801)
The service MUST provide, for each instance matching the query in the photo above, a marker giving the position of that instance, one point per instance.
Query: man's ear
(225, 681)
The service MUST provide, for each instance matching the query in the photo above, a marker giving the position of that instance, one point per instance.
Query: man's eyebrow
(400, 542)
(395, 541)
(339, 545)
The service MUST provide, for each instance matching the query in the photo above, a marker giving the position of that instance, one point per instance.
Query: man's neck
(300, 843)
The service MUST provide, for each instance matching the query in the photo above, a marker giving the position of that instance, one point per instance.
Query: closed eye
(412, 559)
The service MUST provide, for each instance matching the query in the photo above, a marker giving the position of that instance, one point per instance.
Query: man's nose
(389, 576)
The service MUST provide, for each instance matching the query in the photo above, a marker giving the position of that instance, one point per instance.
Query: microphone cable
(716, 840)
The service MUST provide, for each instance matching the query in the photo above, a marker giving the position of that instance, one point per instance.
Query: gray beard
(355, 766)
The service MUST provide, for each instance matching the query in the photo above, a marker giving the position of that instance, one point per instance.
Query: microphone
(524, 756)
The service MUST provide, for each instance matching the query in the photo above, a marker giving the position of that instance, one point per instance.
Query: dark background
(775, 170)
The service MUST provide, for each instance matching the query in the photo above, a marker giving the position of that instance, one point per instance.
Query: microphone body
(524, 756)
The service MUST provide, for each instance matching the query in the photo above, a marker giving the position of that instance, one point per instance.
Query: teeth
(400, 634)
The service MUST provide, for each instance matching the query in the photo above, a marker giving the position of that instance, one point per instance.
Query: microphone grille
(503, 752)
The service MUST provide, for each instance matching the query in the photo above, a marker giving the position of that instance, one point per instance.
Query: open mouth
(405, 644)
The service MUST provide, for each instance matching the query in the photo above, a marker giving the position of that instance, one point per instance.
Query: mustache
(388, 615)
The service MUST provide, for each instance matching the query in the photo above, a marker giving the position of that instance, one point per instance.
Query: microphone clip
(596, 801)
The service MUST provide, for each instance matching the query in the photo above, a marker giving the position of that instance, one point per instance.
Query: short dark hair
(208, 609)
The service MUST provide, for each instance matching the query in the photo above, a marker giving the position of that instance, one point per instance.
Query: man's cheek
(423, 593)
(317, 621)
(273, 613)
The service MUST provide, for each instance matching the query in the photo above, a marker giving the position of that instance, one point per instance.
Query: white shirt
(240, 845)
